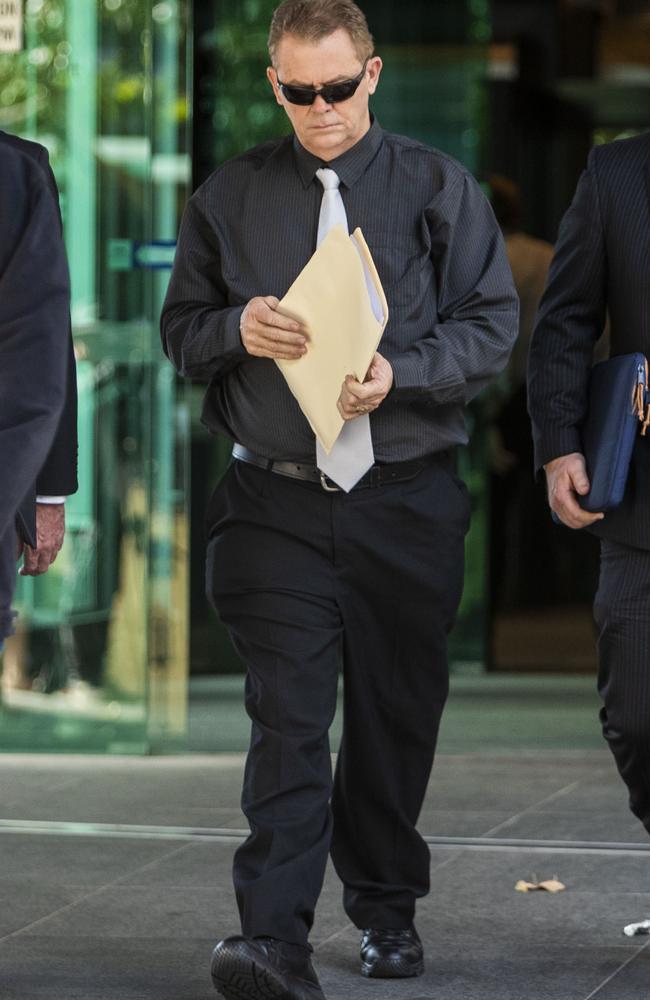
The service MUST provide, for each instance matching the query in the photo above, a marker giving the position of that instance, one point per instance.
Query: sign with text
(11, 25)
(127, 255)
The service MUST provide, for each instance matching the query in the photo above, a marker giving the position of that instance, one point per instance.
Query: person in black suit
(41, 524)
(34, 310)
(602, 267)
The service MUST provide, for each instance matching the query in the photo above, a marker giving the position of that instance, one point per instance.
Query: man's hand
(566, 476)
(362, 397)
(266, 333)
(50, 531)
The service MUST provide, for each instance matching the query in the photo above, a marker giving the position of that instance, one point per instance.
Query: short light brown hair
(313, 20)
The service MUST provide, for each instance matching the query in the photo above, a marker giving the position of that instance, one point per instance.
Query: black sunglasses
(332, 93)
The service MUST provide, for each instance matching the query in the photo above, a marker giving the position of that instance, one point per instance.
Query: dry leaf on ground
(549, 885)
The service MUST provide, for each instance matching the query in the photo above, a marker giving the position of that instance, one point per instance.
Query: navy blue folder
(618, 411)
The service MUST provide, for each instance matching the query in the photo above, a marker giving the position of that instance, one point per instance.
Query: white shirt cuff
(51, 499)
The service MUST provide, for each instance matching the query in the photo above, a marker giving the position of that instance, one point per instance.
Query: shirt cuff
(407, 375)
(52, 500)
(233, 344)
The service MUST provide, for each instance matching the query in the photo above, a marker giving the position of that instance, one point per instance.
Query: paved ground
(114, 880)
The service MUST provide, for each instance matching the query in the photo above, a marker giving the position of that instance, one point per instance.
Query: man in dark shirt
(34, 310)
(304, 574)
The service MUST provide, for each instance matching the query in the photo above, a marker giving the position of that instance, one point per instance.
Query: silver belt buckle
(328, 489)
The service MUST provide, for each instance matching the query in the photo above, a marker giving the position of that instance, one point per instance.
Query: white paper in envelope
(339, 299)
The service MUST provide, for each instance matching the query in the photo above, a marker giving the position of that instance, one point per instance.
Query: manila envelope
(339, 299)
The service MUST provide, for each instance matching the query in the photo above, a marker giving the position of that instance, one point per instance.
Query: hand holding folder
(339, 300)
(618, 409)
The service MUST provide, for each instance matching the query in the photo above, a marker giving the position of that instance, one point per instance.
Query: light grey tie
(352, 454)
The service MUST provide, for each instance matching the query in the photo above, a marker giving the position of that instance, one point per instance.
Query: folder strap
(642, 399)
(379, 475)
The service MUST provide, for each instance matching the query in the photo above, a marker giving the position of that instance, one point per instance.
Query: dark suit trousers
(8, 546)
(622, 614)
(306, 580)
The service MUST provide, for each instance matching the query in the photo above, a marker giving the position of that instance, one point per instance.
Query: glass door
(99, 661)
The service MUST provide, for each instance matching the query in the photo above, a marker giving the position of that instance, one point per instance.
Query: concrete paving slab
(26, 901)
(138, 912)
(176, 796)
(59, 968)
(580, 826)
(76, 861)
(93, 918)
(632, 982)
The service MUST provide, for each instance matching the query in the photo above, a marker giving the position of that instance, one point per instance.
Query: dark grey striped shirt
(251, 228)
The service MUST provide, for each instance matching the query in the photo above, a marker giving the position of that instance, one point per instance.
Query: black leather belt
(379, 475)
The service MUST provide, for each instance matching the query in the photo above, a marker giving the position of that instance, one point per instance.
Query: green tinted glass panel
(100, 658)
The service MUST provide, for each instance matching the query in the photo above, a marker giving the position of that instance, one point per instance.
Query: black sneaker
(263, 969)
(390, 954)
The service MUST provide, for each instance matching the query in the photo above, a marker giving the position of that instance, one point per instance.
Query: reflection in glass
(101, 642)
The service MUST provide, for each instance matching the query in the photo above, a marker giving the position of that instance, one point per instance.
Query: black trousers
(8, 546)
(305, 579)
(622, 614)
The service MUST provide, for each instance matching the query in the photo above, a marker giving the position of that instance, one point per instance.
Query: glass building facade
(136, 102)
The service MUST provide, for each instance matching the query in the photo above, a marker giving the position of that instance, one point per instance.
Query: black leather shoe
(391, 954)
(263, 969)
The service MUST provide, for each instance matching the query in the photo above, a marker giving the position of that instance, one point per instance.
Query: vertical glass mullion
(168, 665)
(81, 204)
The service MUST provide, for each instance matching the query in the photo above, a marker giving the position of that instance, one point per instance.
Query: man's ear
(272, 77)
(374, 66)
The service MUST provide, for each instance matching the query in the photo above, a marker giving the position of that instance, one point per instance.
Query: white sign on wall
(11, 25)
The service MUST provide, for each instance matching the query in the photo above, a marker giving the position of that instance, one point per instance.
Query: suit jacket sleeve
(571, 318)
(58, 476)
(34, 306)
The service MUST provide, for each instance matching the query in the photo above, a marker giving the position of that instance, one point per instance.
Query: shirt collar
(349, 166)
